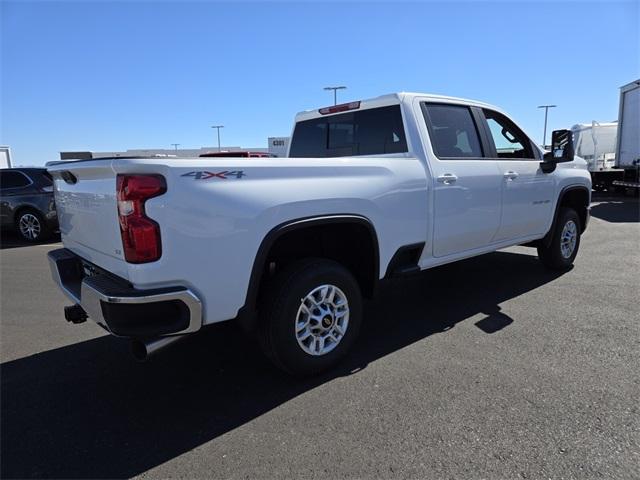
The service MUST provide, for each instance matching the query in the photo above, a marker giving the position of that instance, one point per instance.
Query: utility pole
(335, 94)
(546, 111)
(218, 127)
(175, 146)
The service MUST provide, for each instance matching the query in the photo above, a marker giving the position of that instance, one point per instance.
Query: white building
(276, 146)
(145, 152)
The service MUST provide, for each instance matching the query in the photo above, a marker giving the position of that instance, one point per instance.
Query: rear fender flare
(249, 307)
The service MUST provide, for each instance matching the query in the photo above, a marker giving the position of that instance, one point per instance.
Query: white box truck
(628, 143)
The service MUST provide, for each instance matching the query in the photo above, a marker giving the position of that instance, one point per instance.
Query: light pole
(218, 127)
(335, 94)
(546, 111)
(175, 146)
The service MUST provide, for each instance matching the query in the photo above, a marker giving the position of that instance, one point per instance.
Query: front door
(527, 192)
(467, 185)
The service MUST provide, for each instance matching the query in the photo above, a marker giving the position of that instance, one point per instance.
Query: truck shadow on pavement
(616, 209)
(89, 411)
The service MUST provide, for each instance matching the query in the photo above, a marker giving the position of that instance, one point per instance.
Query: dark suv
(26, 202)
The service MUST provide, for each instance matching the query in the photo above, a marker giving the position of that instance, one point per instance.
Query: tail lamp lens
(140, 234)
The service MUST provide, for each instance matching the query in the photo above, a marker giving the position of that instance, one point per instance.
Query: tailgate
(85, 194)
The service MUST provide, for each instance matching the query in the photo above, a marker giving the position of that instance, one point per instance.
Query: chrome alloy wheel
(568, 239)
(322, 320)
(29, 226)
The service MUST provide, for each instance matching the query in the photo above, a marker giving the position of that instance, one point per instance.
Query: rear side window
(365, 132)
(453, 131)
(46, 179)
(13, 179)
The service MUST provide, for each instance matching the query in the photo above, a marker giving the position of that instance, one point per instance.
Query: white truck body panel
(89, 215)
(5, 157)
(628, 145)
(207, 226)
(212, 229)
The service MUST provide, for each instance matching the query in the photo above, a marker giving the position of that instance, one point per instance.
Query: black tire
(32, 217)
(552, 256)
(279, 315)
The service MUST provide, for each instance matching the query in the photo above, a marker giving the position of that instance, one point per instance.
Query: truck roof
(397, 98)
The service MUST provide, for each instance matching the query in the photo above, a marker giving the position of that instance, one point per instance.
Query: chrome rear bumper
(118, 307)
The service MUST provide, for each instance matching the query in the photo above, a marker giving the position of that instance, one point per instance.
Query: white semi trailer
(5, 157)
(628, 142)
(595, 142)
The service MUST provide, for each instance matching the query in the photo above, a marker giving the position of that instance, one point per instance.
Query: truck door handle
(511, 175)
(447, 178)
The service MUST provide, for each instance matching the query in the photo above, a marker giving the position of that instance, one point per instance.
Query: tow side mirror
(561, 150)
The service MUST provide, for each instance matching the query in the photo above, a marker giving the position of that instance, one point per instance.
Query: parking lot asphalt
(491, 367)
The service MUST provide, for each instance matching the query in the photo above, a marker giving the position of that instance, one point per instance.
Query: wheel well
(350, 241)
(578, 199)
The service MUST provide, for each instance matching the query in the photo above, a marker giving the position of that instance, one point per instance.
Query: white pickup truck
(155, 249)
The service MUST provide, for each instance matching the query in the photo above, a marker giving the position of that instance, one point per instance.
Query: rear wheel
(310, 316)
(563, 248)
(31, 226)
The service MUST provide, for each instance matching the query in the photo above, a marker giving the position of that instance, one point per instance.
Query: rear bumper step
(118, 307)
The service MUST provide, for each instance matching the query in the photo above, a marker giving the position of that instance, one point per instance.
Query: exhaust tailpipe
(143, 349)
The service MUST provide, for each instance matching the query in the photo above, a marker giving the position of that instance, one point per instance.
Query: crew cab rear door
(467, 185)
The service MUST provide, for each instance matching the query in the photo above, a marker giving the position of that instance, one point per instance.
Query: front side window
(364, 132)
(13, 180)
(509, 140)
(453, 131)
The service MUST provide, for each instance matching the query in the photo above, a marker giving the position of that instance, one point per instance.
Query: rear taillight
(140, 234)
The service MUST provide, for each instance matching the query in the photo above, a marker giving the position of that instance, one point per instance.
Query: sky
(117, 75)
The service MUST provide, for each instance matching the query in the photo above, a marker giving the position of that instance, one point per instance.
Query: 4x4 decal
(205, 175)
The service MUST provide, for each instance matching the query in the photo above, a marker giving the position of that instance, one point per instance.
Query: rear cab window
(373, 131)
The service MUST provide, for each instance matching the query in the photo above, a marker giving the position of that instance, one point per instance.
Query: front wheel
(310, 316)
(563, 248)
